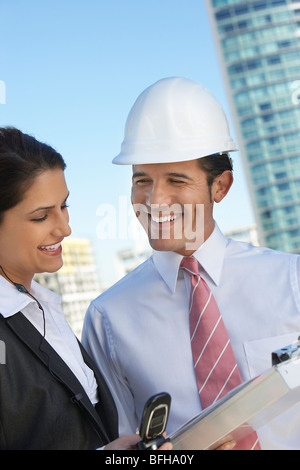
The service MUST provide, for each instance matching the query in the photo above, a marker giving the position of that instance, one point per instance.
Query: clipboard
(247, 407)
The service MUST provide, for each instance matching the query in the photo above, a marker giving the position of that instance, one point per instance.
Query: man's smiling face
(174, 205)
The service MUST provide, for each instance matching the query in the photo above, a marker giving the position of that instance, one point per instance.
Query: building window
(223, 14)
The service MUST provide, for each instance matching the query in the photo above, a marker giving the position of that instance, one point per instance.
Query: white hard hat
(174, 120)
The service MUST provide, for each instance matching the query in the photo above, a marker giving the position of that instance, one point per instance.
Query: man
(177, 141)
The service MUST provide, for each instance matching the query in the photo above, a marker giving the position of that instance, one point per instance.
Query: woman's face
(31, 232)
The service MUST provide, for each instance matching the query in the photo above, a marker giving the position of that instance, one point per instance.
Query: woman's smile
(51, 250)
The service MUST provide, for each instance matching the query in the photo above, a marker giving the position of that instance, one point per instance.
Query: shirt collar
(210, 256)
(13, 301)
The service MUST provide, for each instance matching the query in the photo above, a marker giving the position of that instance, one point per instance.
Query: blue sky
(72, 71)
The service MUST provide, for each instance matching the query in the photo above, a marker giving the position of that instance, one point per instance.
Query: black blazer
(42, 404)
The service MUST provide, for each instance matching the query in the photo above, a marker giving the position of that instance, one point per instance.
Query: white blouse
(58, 332)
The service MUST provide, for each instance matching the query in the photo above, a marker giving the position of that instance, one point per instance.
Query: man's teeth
(166, 218)
(50, 247)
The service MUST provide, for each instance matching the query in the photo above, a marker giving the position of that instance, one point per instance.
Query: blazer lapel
(57, 367)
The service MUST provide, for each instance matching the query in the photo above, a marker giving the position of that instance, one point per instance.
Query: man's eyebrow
(180, 175)
(138, 174)
(46, 207)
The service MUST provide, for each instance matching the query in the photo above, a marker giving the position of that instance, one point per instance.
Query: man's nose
(158, 196)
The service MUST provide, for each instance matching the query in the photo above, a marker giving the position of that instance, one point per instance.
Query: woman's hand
(128, 442)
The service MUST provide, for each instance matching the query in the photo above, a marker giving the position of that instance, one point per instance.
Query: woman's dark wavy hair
(22, 159)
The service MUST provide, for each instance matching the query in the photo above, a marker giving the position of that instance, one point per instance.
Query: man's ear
(221, 185)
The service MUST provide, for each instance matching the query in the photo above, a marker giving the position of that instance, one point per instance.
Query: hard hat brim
(151, 155)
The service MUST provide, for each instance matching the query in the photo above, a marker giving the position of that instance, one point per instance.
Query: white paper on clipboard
(246, 408)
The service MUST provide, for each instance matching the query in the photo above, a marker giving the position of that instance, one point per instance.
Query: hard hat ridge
(173, 120)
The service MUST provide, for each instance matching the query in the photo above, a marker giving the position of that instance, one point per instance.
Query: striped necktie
(214, 362)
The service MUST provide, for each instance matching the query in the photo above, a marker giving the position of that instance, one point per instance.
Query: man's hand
(128, 442)
(227, 446)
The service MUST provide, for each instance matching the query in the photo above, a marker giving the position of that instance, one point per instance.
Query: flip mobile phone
(154, 421)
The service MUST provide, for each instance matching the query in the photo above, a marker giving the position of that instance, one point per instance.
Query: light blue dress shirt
(138, 330)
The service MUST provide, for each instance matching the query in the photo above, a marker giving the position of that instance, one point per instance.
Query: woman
(51, 395)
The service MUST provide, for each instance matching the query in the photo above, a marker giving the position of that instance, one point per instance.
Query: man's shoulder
(137, 279)
(247, 251)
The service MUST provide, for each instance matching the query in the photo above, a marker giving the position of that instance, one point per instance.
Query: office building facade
(76, 282)
(258, 44)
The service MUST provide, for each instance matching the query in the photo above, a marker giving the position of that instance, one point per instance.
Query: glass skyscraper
(259, 49)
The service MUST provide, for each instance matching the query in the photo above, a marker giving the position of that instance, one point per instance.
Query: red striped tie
(214, 362)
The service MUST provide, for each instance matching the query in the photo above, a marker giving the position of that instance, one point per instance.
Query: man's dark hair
(215, 165)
